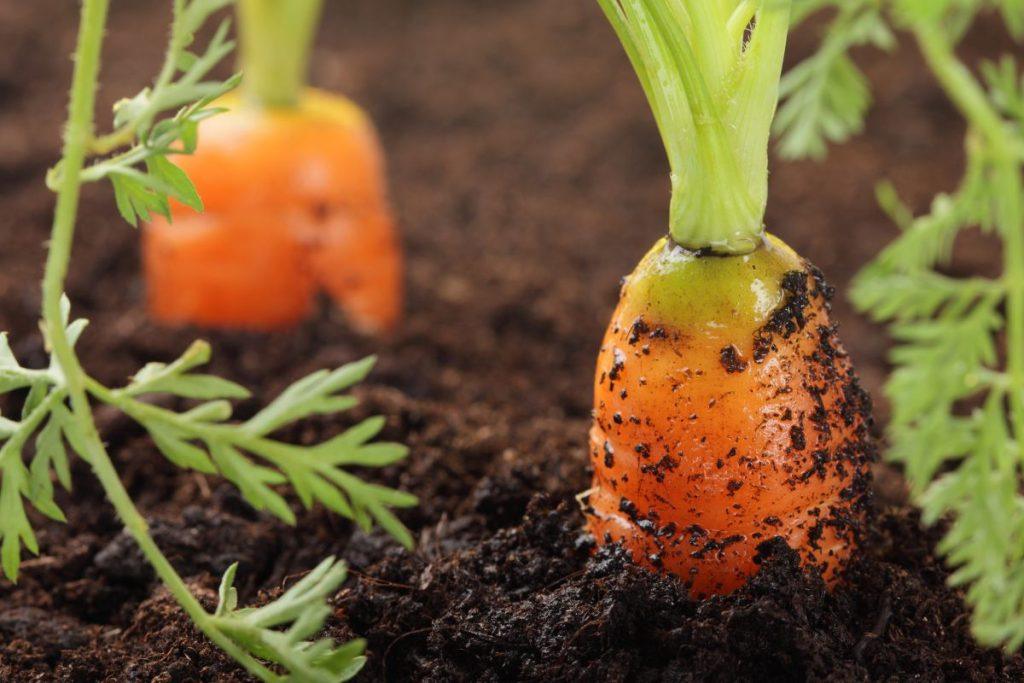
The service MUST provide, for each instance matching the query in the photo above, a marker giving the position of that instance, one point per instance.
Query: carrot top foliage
(271, 642)
(710, 69)
(957, 388)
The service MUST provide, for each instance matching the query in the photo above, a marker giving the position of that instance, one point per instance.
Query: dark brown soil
(528, 178)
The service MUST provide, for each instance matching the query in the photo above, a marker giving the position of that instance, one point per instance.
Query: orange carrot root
(295, 202)
(727, 413)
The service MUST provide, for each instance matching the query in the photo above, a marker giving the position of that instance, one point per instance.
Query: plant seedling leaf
(179, 451)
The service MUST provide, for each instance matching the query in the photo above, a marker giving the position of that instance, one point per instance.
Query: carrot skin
(237, 270)
(727, 413)
(359, 263)
(295, 201)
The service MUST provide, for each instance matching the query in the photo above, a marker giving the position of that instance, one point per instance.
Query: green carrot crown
(711, 70)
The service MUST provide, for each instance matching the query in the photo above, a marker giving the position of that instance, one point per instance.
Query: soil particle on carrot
(797, 438)
(731, 360)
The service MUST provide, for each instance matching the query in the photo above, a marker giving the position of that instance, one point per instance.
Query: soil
(528, 178)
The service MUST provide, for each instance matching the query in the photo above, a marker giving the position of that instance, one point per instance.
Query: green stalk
(106, 144)
(969, 96)
(77, 137)
(276, 42)
(714, 96)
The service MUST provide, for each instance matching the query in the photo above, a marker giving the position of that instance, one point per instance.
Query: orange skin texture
(722, 421)
(295, 202)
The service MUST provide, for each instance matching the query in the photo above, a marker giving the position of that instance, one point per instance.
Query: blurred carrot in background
(292, 181)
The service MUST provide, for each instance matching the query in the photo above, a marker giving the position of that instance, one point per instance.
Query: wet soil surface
(528, 178)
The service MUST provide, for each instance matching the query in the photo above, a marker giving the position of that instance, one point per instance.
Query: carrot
(726, 411)
(293, 186)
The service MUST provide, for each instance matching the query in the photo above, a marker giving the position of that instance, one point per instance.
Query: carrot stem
(713, 88)
(276, 43)
(77, 138)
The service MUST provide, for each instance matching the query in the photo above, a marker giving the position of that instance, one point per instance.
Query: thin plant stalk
(77, 137)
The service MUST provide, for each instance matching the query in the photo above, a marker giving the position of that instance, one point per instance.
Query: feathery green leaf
(301, 612)
(826, 97)
(957, 414)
